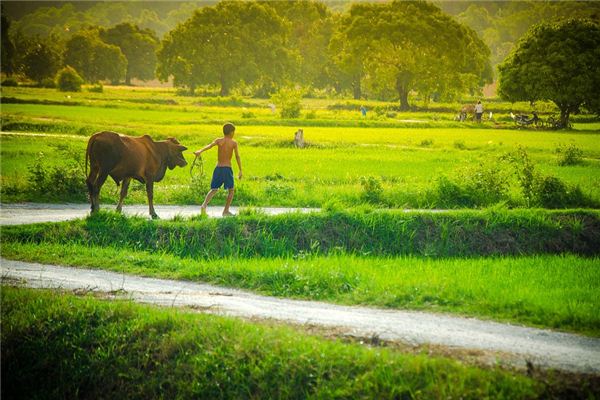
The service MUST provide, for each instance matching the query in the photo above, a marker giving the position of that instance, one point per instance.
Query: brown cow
(125, 157)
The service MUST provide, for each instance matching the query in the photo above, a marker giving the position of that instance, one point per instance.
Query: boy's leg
(207, 200)
(228, 202)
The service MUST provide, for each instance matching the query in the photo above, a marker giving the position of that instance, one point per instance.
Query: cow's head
(175, 154)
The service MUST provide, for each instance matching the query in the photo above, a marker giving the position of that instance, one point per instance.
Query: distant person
(363, 111)
(478, 111)
(223, 173)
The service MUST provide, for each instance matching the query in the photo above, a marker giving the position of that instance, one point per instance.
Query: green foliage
(47, 83)
(385, 233)
(413, 46)
(372, 189)
(288, 100)
(569, 155)
(58, 182)
(204, 50)
(551, 192)
(10, 82)
(94, 59)
(68, 80)
(97, 88)
(42, 59)
(137, 45)
(555, 62)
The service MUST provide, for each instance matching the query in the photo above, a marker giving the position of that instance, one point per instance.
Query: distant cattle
(125, 157)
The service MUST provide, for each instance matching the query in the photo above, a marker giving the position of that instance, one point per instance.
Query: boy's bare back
(226, 148)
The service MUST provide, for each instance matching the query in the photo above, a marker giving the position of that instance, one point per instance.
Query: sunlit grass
(130, 351)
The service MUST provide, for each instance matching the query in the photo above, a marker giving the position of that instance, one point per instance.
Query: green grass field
(405, 161)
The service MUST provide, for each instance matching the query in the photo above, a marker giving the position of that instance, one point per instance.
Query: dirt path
(29, 213)
(513, 344)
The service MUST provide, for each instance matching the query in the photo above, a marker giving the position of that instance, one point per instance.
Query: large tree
(42, 58)
(312, 24)
(94, 59)
(555, 62)
(225, 44)
(414, 46)
(139, 47)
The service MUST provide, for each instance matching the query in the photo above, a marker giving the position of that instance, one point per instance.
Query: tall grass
(56, 345)
(362, 232)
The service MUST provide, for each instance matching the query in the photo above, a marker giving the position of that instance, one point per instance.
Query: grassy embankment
(64, 346)
(343, 150)
(423, 261)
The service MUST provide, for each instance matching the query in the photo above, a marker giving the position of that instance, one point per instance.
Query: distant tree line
(376, 50)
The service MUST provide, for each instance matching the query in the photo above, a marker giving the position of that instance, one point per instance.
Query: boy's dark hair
(228, 129)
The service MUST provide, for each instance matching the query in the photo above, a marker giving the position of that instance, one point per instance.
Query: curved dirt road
(513, 344)
(30, 213)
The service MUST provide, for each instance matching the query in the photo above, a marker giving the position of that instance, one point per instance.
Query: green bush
(58, 182)
(68, 80)
(288, 100)
(569, 155)
(372, 189)
(10, 82)
(98, 88)
(48, 83)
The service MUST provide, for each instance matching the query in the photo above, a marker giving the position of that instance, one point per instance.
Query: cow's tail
(87, 154)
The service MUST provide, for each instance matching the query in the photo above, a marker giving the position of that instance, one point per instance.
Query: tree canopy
(94, 59)
(226, 44)
(139, 47)
(408, 46)
(556, 62)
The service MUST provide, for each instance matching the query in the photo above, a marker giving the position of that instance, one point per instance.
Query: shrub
(58, 182)
(10, 82)
(311, 115)
(569, 155)
(372, 189)
(98, 88)
(248, 114)
(487, 183)
(288, 100)
(68, 80)
(47, 83)
(449, 194)
(426, 142)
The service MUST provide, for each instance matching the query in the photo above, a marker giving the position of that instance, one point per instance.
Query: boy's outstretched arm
(239, 161)
(208, 146)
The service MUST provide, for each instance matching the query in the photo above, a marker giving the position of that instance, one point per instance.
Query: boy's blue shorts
(222, 176)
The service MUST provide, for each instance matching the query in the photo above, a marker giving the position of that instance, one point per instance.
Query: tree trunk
(127, 79)
(356, 90)
(403, 88)
(224, 88)
(564, 117)
(192, 89)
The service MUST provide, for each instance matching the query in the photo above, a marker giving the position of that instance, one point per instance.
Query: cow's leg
(97, 186)
(123, 193)
(150, 193)
(91, 185)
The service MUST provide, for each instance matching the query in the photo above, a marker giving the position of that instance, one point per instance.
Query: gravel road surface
(543, 348)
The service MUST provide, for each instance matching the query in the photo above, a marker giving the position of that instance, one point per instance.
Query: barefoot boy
(223, 173)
